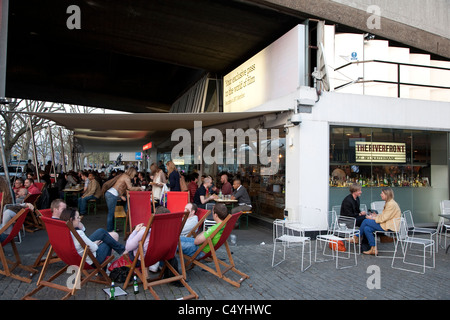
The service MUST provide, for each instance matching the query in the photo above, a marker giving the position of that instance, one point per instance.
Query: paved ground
(372, 278)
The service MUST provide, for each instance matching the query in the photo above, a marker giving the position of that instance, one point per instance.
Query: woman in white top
(100, 242)
(159, 180)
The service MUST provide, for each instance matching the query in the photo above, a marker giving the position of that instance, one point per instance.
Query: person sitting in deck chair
(191, 245)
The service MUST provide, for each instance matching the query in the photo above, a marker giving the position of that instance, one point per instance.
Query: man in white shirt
(192, 219)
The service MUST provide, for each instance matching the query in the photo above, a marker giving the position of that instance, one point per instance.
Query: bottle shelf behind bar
(381, 181)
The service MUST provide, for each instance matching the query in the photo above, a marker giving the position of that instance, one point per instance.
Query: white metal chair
(444, 225)
(377, 205)
(413, 229)
(363, 207)
(209, 221)
(405, 241)
(337, 210)
(290, 234)
(344, 230)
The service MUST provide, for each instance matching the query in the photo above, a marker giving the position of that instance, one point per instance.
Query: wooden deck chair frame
(181, 197)
(40, 259)
(228, 225)
(84, 270)
(147, 259)
(202, 214)
(18, 221)
(140, 218)
(32, 224)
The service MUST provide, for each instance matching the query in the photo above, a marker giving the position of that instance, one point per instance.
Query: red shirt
(33, 189)
(227, 188)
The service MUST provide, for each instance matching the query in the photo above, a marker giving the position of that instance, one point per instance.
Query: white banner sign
(380, 152)
(272, 73)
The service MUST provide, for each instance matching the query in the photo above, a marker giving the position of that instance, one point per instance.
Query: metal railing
(398, 82)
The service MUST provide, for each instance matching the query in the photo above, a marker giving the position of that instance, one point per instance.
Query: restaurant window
(412, 162)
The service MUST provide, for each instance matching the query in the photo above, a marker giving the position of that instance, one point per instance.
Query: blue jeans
(367, 228)
(108, 243)
(83, 202)
(189, 248)
(111, 202)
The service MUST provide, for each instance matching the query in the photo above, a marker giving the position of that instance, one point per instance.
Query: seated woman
(380, 222)
(100, 242)
(351, 203)
(9, 213)
(135, 237)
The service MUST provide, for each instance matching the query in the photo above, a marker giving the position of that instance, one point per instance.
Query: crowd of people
(95, 184)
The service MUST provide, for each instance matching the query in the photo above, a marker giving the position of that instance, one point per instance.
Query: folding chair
(228, 226)
(32, 224)
(60, 235)
(177, 200)
(18, 221)
(40, 185)
(202, 214)
(140, 204)
(39, 260)
(162, 246)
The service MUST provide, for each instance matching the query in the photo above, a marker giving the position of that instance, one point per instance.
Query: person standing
(174, 176)
(115, 189)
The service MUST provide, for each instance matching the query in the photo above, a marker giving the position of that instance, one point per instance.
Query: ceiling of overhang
(130, 55)
(98, 132)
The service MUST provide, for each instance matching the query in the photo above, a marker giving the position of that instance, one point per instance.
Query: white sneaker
(154, 268)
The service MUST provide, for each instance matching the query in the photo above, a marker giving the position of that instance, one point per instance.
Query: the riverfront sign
(380, 152)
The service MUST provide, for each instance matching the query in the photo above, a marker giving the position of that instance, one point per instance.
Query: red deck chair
(177, 200)
(140, 205)
(60, 236)
(32, 223)
(39, 260)
(162, 246)
(40, 185)
(18, 221)
(229, 223)
(202, 214)
(1, 203)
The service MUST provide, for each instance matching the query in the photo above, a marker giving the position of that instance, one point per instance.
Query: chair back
(40, 185)
(230, 221)
(165, 229)
(408, 219)
(377, 205)
(46, 212)
(18, 221)
(177, 200)
(31, 198)
(201, 213)
(401, 228)
(445, 206)
(344, 224)
(332, 220)
(337, 210)
(139, 207)
(62, 243)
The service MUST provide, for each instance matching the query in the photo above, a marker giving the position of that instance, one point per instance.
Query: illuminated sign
(147, 146)
(272, 73)
(380, 152)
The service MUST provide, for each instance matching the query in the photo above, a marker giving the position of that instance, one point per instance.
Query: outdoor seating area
(252, 254)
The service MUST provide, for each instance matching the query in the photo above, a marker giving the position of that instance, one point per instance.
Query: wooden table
(73, 190)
